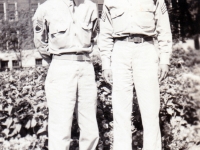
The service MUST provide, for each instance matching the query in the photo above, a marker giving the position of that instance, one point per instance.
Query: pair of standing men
(127, 32)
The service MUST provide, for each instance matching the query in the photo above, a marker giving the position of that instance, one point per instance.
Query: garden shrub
(24, 112)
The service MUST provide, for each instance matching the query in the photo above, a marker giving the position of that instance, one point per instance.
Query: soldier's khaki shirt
(123, 17)
(58, 29)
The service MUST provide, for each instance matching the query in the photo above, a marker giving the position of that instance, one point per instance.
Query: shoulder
(92, 7)
(47, 5)
(44, 5)
(41, 10)
(114, 3)
(91, 4)
(161, 5)
(159, 2)
(108, 1)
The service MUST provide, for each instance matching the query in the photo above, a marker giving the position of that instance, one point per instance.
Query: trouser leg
(122, 96)
(145, 74)
(87, 103)
(61, 87)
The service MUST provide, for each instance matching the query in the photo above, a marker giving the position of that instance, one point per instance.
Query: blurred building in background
(184, 17)
(10, 10)
(100, 7)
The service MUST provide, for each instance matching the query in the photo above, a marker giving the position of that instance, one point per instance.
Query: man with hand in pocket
(63, 30)
(128, 29)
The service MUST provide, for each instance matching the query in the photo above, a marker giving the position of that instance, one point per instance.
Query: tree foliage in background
(184, 18)
(16, 34)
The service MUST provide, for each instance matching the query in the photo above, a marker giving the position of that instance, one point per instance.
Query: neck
(77, 2)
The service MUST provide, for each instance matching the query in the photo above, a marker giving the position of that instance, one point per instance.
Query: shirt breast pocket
(146, 16)
(118, 19)
(59, 34)
(86, 33)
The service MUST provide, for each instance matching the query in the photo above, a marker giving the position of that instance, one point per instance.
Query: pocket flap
(147, 7)
(56, 28)
(87, 26)
(116, 13)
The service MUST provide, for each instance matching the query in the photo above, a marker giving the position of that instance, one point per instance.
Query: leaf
(18, 127)
(106, 89)
(28, 124)
(42, 105)
(171, 91)
(170, 111)
(1, 107)
(170, 103)
(1, 118)
(33, 122)
(28, 87)
(9, 100)
(8, 122)
(105, 126)
(1, 139)
(43, 129)
(40, 93)
(14, 132)
(11, 79)
(6, 132)
(9, 109)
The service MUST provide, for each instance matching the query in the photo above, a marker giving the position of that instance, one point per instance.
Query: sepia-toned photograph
(99, 74)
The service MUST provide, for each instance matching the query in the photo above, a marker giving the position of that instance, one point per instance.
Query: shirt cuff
(105, 63)
(165, 58)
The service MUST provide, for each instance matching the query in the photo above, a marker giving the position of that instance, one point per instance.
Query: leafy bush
(24, 113)
(23, 109)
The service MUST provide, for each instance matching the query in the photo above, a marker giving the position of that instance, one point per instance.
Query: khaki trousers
(138, 64)
(69, 82)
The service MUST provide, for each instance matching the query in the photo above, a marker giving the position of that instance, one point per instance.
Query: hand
(107, 75)
(95, 51)
(163, 70)
(95, 54)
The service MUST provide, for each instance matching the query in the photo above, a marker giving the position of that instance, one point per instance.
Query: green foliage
(24, 113)
(184, 18)
(180, 103)
(23, 109)
(17, 34)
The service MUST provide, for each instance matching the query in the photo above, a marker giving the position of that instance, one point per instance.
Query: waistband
(72, 56)
(136, 38)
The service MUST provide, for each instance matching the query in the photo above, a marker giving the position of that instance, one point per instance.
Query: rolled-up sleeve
(94, 20)
(105, 41)
(164, 34)
(40, 28)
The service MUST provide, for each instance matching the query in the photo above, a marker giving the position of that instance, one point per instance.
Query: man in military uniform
(128, 29)
(63, 30)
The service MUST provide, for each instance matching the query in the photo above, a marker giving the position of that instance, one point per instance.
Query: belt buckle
(80, 57)
(130, 39)
(138, 40)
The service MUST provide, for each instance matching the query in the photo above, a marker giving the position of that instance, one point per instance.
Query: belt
(72, 56)
(136, 38)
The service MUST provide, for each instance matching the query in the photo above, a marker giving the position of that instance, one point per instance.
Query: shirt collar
(68, 2)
